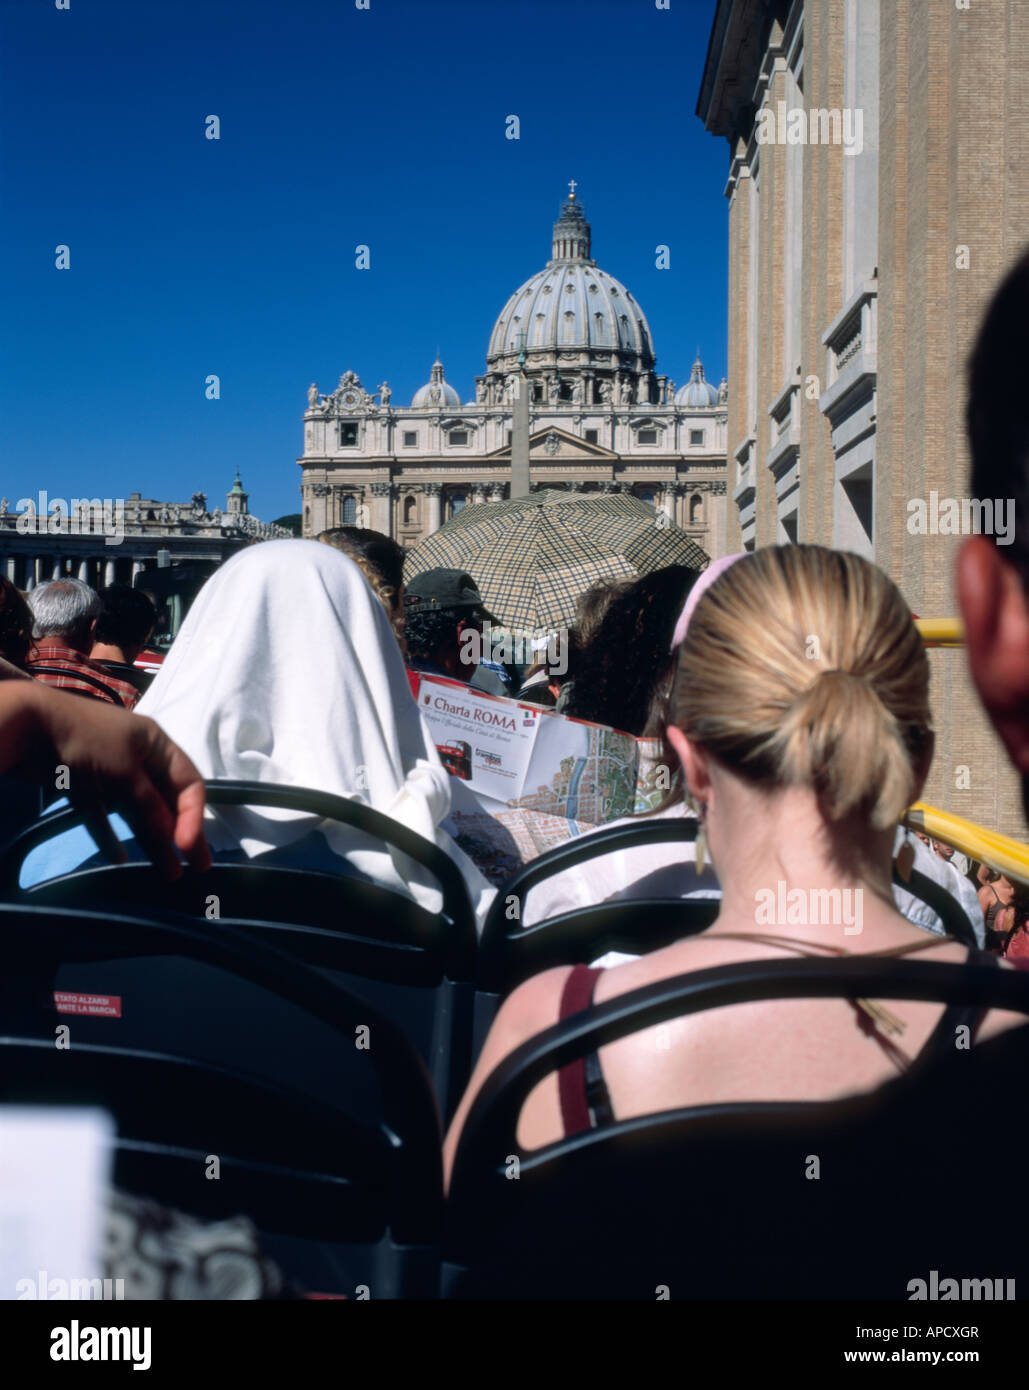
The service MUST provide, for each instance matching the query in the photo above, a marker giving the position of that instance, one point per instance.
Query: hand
(114, 759)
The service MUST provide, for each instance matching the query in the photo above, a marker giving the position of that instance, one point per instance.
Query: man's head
(65, 609)
(441, 606)
(993, 579)
(124, 623)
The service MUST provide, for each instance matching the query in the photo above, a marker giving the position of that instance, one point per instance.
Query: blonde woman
(800, 715)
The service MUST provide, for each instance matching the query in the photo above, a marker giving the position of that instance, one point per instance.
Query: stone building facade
(108, 541)
(857, 278)
(601, 416)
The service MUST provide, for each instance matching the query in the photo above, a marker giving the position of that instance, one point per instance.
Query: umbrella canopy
(533, 556)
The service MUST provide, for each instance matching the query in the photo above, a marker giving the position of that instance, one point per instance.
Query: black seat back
(844, 1199)
(510, 952)
(213, 1045)
(414, 965)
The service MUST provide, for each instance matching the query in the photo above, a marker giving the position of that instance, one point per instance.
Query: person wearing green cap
(442, 607)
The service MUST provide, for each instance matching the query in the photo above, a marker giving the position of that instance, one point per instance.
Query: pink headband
(700, 588)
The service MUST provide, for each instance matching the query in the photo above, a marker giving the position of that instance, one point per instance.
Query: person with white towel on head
(286, 670)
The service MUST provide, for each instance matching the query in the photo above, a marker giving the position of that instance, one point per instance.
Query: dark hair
(432, 631)
(383, 554)
(15, 623)
(1019, 917)
(126, 618)
(590, 610)
(998, 407)
(625, 671)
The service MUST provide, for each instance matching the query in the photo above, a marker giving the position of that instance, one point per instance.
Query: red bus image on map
(456, 757)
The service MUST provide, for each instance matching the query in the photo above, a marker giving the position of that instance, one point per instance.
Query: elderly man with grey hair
(64, 614)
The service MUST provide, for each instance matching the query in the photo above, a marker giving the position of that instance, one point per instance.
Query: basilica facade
(601, 417)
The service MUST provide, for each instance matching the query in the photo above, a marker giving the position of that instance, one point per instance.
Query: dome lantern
(571, 231)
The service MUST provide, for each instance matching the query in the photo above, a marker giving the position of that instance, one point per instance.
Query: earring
(700, 842)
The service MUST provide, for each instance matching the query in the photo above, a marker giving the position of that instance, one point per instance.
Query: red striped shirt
(76, 673)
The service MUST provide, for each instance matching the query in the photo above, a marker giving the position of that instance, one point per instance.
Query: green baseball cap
(443, 590)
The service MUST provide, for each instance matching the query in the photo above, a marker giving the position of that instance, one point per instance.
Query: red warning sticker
(98, 1005)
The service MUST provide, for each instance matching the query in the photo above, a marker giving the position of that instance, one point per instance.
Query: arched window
(696, 509)
(350, 510)
(457, 502)
(647, 495)
(410, 509)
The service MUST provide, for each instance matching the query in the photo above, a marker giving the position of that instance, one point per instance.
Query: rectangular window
(591, 436)
(410, 439)
(347, 433)
(697, 438)
(647, 436)
(458, 436)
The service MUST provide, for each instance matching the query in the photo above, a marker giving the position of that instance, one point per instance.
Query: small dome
(435, 391)
(697, 393)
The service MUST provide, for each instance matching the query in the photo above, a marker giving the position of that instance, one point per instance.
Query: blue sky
(339, 127)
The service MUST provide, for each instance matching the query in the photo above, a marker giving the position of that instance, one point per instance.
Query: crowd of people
(69, 637)
(798, 760)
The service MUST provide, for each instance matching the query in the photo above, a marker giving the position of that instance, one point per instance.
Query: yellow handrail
(941, 632)
(1000, 852)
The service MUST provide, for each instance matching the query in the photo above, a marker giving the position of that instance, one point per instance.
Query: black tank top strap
(954, 1016)
(585, 1102)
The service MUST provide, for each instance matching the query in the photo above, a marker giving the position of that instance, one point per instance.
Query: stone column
(84, 571)
(319, 493)
(108, 574)
(478, 494)
(382, 508)
(137, 568)
(668, 500)
(434, 492)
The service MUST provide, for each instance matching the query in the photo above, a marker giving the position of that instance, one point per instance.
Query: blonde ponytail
(802, 666)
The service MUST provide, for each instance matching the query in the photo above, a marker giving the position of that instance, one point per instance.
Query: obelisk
(520, 485)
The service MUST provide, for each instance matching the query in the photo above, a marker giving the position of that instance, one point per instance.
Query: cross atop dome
(571, 190)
